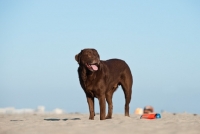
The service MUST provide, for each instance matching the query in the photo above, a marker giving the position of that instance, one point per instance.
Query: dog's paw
(108, 117)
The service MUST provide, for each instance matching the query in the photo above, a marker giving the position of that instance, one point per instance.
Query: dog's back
(118, 69)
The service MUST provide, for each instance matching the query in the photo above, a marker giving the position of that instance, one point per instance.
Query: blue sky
(160, 40)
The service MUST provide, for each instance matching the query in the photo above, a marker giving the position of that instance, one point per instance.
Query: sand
(182, 123)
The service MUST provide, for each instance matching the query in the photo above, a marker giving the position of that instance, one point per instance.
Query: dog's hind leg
(127, 93)
(126, 84)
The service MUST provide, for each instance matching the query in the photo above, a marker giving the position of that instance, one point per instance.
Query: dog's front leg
(90, 101)
(102, 104)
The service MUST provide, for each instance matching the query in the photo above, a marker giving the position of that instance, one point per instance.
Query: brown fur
(103, 82)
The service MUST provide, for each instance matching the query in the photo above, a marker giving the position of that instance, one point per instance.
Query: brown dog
(101, 78)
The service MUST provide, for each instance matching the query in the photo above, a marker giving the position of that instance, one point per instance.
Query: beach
(77, 123)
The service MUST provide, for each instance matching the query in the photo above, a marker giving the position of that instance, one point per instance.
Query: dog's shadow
(65, 119)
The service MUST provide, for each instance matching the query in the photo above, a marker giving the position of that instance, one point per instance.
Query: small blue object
(158, 116)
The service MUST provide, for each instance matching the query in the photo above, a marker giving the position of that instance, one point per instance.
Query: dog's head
(88, 58)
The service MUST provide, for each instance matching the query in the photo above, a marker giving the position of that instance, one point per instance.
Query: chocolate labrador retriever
(100, 79)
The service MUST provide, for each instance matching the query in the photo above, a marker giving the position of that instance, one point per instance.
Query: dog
(100, 79)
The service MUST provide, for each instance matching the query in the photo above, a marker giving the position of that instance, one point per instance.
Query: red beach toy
(150, 116)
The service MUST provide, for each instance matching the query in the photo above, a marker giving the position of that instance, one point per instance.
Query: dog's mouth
(92, 67)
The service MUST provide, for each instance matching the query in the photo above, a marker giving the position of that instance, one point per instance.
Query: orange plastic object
(148, 116)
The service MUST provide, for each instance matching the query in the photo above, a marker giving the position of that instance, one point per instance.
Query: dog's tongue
(94, 67)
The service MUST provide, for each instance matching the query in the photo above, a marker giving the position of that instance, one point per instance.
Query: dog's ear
(77, 58)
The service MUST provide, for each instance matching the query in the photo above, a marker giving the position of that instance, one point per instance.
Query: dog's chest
(91, 81)
(92, 87)
(91, 90)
